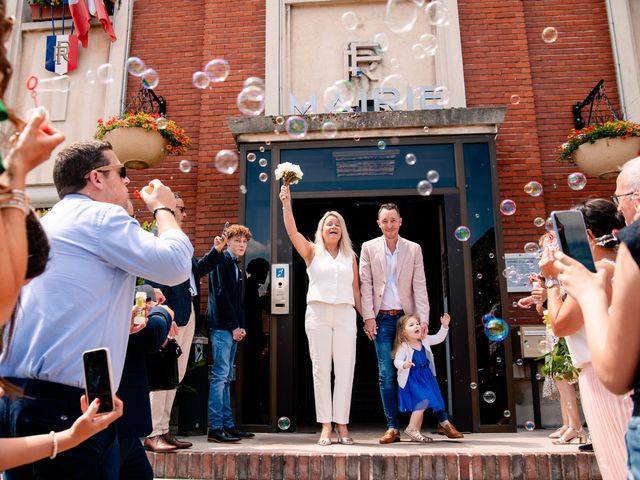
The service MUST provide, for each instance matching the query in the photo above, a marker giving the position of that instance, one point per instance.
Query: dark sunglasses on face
(107, 168)
(183, 210)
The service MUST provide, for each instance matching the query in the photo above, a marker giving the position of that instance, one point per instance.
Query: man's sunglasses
(107, 168)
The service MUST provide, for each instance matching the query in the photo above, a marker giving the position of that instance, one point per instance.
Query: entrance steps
(522, 455)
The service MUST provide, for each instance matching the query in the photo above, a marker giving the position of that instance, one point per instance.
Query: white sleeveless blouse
(577, 342)
(330, 279)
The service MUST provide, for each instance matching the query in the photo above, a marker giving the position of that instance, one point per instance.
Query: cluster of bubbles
(148, 76)
(215, 71)
(425, 187)
(533, 188)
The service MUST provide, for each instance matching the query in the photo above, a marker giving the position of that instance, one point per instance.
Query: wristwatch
(551, 282)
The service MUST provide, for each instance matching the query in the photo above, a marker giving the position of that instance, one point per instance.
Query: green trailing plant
(557, 363)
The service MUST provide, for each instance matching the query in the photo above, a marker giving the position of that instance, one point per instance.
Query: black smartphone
(98, 382)
(572, 236)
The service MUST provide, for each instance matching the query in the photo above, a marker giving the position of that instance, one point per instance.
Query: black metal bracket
(600, 108)
(147, 101)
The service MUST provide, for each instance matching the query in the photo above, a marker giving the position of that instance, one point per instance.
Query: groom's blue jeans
(387, 373)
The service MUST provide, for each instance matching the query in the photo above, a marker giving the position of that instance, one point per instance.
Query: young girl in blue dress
(416, 377)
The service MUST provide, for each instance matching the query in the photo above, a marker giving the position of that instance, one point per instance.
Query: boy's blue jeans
(223, 348)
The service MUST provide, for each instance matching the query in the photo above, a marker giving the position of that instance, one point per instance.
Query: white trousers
(331, 331)
(162, 400)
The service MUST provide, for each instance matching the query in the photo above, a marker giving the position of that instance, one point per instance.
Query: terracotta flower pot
(42, 13)
(137, 148)
(604, 158)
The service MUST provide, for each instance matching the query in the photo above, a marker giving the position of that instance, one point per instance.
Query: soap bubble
(492, 255)
(279, 120)
(217, 69)
(506, 413)
(254, 82)
(515, 99)
(200, 80)
(410, 159)
(401, 15)
(398, 82)
(543, 346)
(430, 43)
(479, 276)
(184, 166)
(58, 84)
(262, 162)
(549, 35)
(473, 385)
(576, 181)
(350, 20)
(418, 51)
(251, 157)
(519, 362)
(382, 39)
(267, 142)
(489, 396)
(250, 100)
(381, 145)
(424, 188)
(261, 149)
(498, 359)
(539, 222)
(284, 423)
(496, 329)
(296, 127)
(529, 426)
(339, 96)
(462, 233)
(538, 376)
(104, 73)
(441, 94)
(90, 76)
(425, 129)
(161, 123)
(263, 177)
(135, 66)
(437, 13)
(487, 317)
(150, 79)
(329, 129)
(533, 188)
(226, 161)
(243, 189)
(356, 138)
(531, 247)
(433, 176)
(394, 63)
(508, 207)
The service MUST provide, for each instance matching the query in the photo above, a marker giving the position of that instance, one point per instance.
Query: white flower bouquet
(289, 173)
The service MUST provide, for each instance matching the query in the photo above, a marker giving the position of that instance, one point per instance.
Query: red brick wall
(504, 54)
(177, 39)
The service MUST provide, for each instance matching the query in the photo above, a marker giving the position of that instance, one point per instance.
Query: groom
(392, 284)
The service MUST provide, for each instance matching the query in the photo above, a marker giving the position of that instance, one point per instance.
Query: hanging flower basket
(601, 150)
(137, 148)
(605, 157)
(141, 140)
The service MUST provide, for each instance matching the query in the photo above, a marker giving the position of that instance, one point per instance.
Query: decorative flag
(98, 9)
(81, 11)
(62, 53)
(81, 18)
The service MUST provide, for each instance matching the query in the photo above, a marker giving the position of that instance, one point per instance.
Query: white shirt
(391, 297)
(330, 279)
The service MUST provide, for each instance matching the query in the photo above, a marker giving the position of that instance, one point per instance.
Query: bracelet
(54, 440)
(164, 208)
(16, 199)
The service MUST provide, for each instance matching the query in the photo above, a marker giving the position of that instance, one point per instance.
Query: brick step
(424, 466)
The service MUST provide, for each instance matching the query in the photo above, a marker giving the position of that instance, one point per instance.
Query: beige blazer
(412, 284)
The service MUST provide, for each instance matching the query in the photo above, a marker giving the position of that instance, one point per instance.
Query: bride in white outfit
(330, 319)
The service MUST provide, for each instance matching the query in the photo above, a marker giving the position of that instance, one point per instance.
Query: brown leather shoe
(158, 444)
(170, 438)
(449, 430)
(390, 436)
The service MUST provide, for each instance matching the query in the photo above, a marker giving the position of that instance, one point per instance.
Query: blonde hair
(400, 339)
(344, 245)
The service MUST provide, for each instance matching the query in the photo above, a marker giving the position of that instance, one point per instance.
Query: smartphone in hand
(226, 225)
(97, 378)
(571, 233)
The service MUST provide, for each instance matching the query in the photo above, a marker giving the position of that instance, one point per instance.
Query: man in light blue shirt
(83, 301)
